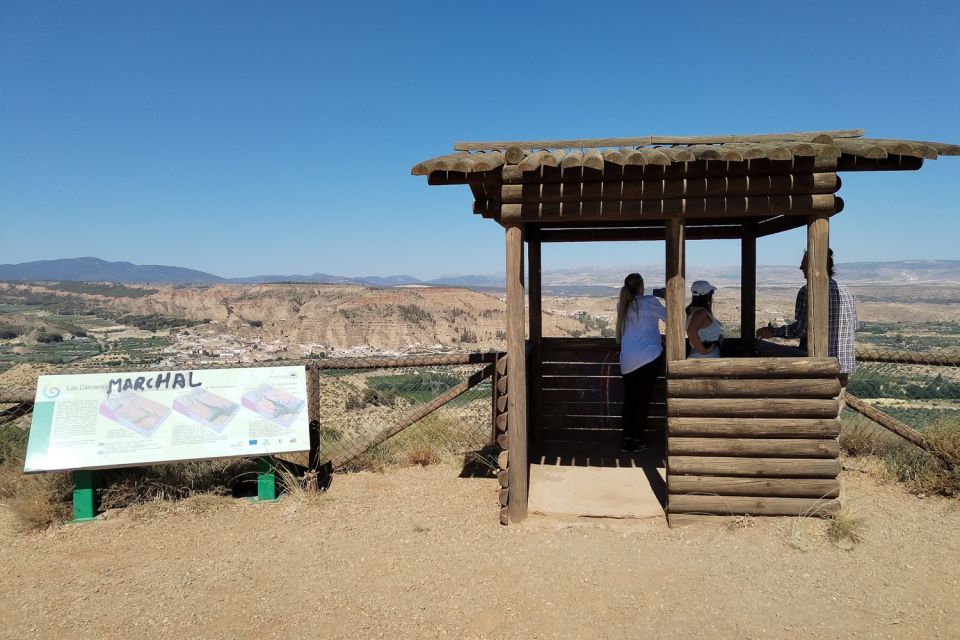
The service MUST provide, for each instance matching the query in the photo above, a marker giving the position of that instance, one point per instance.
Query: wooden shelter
(735, 443)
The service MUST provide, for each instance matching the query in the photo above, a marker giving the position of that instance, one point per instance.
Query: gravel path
(418, 553)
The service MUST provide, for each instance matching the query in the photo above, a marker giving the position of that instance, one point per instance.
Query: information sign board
(103, 420)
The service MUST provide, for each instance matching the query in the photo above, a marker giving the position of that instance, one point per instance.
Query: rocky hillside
(341, 316)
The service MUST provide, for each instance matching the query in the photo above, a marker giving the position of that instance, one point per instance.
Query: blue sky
(248, 138)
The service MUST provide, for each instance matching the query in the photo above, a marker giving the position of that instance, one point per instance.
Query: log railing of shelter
(752, 436)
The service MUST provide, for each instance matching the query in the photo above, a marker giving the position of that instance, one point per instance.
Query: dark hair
(829, 261)
(704, 301)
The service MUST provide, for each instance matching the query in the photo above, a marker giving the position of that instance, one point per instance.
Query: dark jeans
(636, 397)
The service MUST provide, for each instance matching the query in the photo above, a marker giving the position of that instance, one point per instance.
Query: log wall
(752, 436)
(500, 426)
(581, 394)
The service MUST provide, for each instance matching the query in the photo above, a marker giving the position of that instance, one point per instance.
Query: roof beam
(801, 136)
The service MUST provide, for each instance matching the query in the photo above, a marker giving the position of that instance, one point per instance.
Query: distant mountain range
(580, 281)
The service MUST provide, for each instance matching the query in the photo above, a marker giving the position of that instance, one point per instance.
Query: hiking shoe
(632, 445)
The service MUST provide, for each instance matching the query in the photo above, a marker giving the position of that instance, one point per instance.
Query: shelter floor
(597, 481)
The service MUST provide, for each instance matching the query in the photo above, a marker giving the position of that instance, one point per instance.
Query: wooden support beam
(414, 416)
(750, 206)
(748, 288)
(714, 232)
(753, 407)
(754, 447)
(754, 368)
(676, 317)
(848, 162)
(755, 427)
(818, 291)
(535, 306)
(639, 166)
(753, 388)
(765, 487)
(871, 354)
(587, 143)
(779, 224)
(777, 185)
(517, 374)
(755, 467)
(903, 430)
(749, 505)
(16, 412)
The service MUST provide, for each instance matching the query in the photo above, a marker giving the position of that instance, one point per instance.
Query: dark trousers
(636, 397)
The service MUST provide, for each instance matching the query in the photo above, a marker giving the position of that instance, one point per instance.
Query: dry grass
(301, 489)
(125, 487)
(437, 438)
(845, 528)
(920, 472)
(38, 501)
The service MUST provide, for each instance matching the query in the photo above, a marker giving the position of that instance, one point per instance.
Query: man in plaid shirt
(842, 322)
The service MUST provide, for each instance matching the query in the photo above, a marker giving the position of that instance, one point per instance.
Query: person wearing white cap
(704, 332)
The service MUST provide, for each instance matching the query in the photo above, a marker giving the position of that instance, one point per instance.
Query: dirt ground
(418, 552)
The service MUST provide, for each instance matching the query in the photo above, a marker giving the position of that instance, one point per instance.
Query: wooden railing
(753, 436)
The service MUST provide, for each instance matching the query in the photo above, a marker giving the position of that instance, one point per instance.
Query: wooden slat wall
(581, 394)
(753, 436)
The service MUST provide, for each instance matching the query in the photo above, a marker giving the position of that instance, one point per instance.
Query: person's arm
(699, 320)
(797, 328)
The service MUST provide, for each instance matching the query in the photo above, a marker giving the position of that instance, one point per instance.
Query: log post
(748, 287)
(818, 286)
(313, 413)
(676, 330)
(517, 374)
(535, 297)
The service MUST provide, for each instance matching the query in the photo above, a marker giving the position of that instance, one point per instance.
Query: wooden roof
(842, 149)
(720, 186)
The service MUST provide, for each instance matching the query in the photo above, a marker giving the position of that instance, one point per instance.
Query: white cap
(702, 288)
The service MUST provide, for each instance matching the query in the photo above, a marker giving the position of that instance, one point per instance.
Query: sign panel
(102, 420)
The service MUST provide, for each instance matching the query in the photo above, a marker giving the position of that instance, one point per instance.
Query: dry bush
(438, 437)
(41, 500)
(300, 488)
(923, 473)
(38, 500)
(420, 454)
(918, 470)
(859, 438)
(124, 487)
(845, 528)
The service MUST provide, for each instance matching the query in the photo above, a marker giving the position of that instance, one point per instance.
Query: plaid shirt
(842, 324)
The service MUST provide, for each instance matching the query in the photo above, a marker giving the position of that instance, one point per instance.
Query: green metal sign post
(266, 480)
(84, 496)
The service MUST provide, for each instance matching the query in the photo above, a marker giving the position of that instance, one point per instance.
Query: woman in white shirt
(704, 332)
(641, 356)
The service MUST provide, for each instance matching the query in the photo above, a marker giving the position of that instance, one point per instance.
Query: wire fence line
(369, 412)
(364, 412)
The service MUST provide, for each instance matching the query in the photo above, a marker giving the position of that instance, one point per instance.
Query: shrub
(468, 336)
(8, 334)
(413, 314)
(375, 397)
(255, 323)
(45, 336)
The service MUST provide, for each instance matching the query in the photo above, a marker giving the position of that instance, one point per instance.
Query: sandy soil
(418, 553)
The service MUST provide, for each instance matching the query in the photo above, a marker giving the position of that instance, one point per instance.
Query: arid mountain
(587, 280)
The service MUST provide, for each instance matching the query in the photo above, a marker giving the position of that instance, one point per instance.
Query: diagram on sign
(133, 411)
(207, 408)
(276, 405)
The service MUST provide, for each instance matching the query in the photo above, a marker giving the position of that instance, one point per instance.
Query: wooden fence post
(517, 375)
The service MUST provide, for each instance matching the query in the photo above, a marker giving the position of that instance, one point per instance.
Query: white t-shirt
(640, 343)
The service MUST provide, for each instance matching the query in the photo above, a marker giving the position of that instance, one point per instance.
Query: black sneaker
(632, 445)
